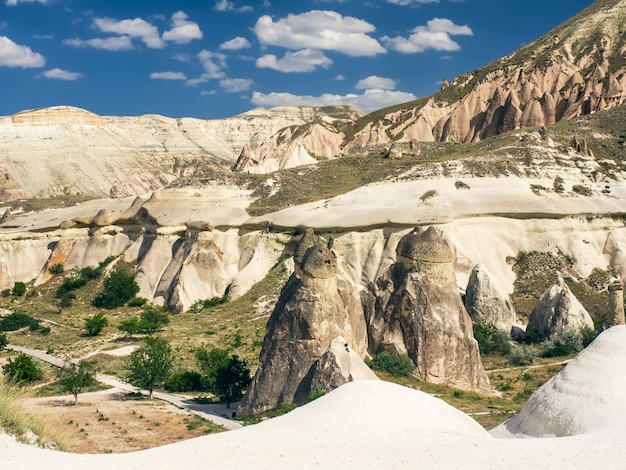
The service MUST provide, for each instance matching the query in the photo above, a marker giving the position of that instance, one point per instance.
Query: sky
(217, 58)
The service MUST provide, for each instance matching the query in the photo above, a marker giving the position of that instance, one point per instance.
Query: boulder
(312, 340)
(415, 308)
(558, 311)
(615, 316)
(486, 303)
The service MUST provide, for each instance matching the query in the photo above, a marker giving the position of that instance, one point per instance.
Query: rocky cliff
(416, 309)
(70, 151)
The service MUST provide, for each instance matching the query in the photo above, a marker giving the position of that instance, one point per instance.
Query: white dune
(374, 424)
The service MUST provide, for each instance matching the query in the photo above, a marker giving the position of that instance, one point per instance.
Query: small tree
(130, 326)
(19, 288)
(76, 377)
(119, 288)
(95, 324)
(226, 377)
(398, 365)
(3, 341)
(21, 370)
(150, 365)
(152, 319)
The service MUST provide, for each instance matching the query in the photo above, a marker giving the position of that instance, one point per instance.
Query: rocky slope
(576, 69)
(70, 151)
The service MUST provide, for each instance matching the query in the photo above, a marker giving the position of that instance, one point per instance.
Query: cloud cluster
(317, 29)
(60, 74)
(435, 35)
(12, 3)
(15, 55)
(182, 31)
(305, 60)
(225, 5)
(370, 100)
(168, 76)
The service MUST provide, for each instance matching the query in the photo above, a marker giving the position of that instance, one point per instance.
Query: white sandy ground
(375, 424)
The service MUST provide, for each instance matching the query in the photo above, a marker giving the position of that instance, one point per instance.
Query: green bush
(3, 341)
(152, 319)
(15, 321)
(521, 355)
(95, 324)
(19, 289)
(119, 288)
(316, 393)
(490, 339)
(137, 302)
(568, 342)
(185, 381)
(57, 268)
(396, 365)
(5, 292)
(21, 370)
(67, 299)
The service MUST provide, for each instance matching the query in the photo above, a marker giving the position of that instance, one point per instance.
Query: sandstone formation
(615, 315)
(558, 311)
(120, 156)
(487, 303)
(315, 336)
(416, 309)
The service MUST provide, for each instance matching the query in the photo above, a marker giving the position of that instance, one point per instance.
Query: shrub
(21, 370)
(284, 408)
(66, 299)
(56, 268)
(184, 381)
(582, 190)
(521, 355)
(558, 185)
(95, 324)
(119, 288)
(428, 195)
(5, 292)
(316, 393)
(15, 321)
(130, 326)
(461, 185)
(19, 289)
(396, 365)
(568, 342)
(137, 302)
(3, 341)
(491, 339)
(152, 319)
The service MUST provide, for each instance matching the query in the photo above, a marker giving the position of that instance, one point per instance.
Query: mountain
(576, 69)
(70, 151)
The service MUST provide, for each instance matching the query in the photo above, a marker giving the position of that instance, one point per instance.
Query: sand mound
(587, 396)
(374, 424)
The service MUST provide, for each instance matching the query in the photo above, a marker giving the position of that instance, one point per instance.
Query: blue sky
(217, 58)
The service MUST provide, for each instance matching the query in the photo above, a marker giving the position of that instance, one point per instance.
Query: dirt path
(215, 413)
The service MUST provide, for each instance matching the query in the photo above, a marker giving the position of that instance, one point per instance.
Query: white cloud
(326, 30)
(370, 100)
(225, 5)
(213, 63)
(14, 55)
(135, 28)
(235, 85)
(435, 35)
(183, 31)
(374, 82)
(12, 3)
(60, 74)
(184, 58)
(121, 43)
(305, 60)
(405, 3)
(236, 44)
(168, 76)
(340, 78)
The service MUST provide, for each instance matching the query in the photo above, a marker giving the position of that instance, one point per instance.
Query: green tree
(3, 341)
(21, 370)
(150, 365)
(95, 324)
(19, 289)
(119, 288)
(130, 326)
(226, 377)
(152, 319)
(75, 377)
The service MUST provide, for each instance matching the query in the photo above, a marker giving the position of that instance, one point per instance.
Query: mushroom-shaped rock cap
(319, 262)
(307, 241)
(428, 246)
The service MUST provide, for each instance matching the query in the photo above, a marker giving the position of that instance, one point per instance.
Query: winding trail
(214, 413)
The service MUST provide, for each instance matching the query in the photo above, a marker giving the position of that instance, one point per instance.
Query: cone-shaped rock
(315, 336)
(485, 303)
(415, 308)
(558, 311)
(615, 315)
